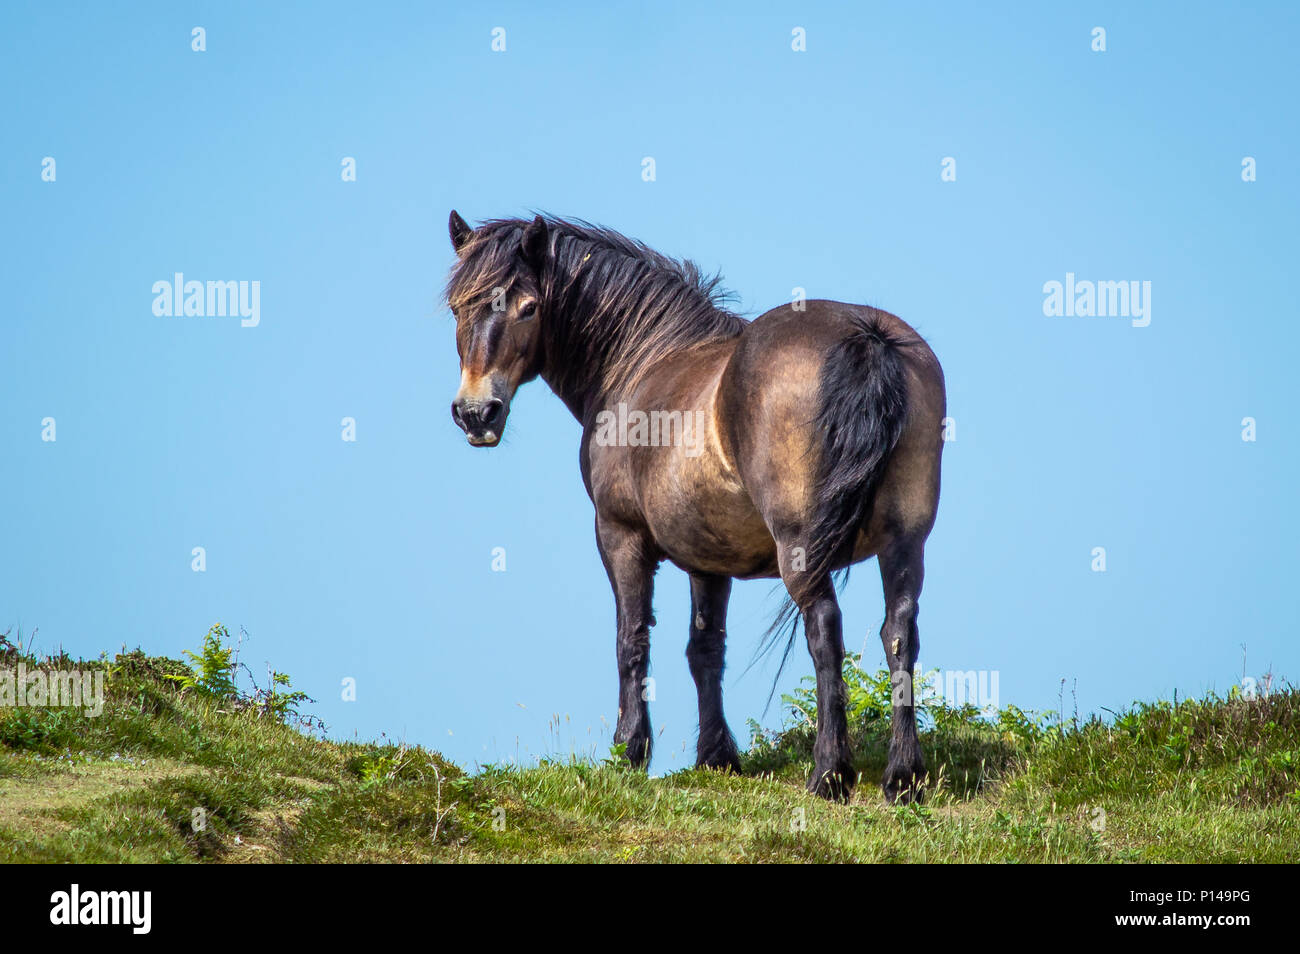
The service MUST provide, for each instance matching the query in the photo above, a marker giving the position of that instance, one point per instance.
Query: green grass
(169, 773)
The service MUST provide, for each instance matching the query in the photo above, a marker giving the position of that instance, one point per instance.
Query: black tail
(862, 405)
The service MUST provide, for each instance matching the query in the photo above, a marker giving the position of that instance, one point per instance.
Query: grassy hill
(175, 771)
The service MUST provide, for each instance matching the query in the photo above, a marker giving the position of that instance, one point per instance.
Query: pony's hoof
(637, 752)
(727, 767)
(904, 786)
(731, 765)
(833, 784)
(722, 757)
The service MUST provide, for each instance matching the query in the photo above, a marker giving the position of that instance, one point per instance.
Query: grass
(171, 773)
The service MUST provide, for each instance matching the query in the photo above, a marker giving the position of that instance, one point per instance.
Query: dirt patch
(31, 805)
(274, 828)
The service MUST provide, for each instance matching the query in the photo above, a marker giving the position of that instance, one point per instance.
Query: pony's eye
(527, 310)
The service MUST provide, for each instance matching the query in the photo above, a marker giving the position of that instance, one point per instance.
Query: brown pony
(793, 445)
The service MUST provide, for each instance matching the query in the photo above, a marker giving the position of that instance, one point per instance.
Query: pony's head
(495, 293)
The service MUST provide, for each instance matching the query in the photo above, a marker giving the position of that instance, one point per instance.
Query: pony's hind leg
(902, 568)
(631, 562)
(704, 652)
(833, 773)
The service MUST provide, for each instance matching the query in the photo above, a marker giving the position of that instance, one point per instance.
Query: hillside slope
(170, 774)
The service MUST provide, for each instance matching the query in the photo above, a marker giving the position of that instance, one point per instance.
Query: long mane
(613, 306)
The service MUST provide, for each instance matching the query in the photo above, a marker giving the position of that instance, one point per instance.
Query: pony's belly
(724, 550)
(704, 521)
(865, 547)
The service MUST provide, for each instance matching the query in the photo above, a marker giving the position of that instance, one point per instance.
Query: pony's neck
(603, 326)
(582, 402)
(580, 388)
(578, 341)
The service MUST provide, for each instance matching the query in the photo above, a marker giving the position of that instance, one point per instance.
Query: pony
(809, 440)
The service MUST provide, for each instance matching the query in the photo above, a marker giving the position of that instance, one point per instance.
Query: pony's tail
(862, 407)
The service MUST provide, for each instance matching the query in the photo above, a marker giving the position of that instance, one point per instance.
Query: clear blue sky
(818, 169)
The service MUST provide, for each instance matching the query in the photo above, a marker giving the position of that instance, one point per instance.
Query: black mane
(612, 307)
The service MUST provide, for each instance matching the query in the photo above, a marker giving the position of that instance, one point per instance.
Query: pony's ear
(533, 243)
(459, 230)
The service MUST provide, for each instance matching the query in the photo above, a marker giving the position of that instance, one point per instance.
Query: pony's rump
(861, 411)
(862, 406)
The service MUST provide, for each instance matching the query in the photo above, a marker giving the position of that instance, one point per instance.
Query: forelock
(488, 261)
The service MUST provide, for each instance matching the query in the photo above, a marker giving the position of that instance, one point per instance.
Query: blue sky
(818, 169)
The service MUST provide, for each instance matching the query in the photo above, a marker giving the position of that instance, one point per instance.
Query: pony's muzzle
(481, 421)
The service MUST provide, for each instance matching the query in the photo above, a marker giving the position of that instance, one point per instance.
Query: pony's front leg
(630, 561)
(705, 652)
